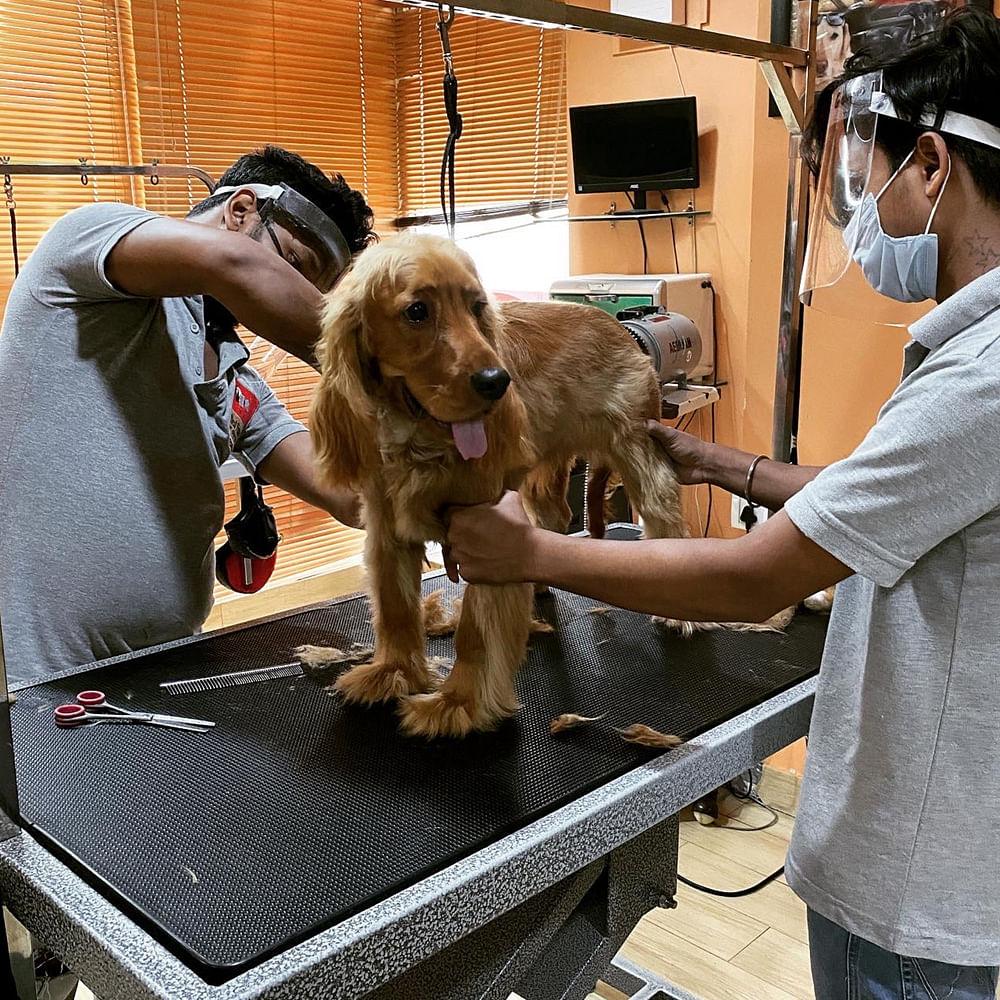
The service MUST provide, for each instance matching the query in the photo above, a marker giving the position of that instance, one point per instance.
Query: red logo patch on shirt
(245, 404)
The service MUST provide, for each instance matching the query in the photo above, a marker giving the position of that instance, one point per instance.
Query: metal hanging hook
(84, 179)
(443, 25)
(154, 177)
(8, 190)
(8, 184)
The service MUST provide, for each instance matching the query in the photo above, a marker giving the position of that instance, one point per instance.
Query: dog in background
(430, 395)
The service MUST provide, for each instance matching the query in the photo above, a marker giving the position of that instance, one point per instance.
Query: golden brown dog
(431, 395)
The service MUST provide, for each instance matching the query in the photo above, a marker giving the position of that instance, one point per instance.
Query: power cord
(642, 236)
(756, 800)
(736, 892)
(673, 232)
(708, 520)
(749, 796)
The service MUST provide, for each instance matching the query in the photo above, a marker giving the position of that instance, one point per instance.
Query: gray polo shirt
(110, 446)
(897, 837)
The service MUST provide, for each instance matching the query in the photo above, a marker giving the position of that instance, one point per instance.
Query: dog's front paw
(370, 683)
(443, 715)
(820, 603)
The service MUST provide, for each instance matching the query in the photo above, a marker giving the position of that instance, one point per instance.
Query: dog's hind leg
(654, 490)
(595, 497)
(399, 666)
(651, 485)
(489, 647)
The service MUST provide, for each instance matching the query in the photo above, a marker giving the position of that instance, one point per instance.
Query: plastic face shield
(844, 176)
(322, 253)
(831, 281)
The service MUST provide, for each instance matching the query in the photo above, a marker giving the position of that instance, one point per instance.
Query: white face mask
(904, 268)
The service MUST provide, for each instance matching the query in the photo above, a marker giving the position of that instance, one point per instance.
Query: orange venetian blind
(512, 98)
(64, 70)
(352, 85)
(316, 78)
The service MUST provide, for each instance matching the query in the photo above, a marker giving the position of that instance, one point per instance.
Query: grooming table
(307, 849)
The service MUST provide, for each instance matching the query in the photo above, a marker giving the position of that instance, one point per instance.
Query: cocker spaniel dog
(431, 394)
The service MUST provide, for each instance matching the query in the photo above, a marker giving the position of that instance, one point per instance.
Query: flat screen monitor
(635, 146)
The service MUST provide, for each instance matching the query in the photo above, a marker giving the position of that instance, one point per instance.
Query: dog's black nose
(491, 383)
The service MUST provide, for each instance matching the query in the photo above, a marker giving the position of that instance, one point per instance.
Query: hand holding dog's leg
(400, 663)
(489, 647)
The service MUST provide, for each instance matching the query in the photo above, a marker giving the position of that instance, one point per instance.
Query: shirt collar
(968, 305)
(232, 354)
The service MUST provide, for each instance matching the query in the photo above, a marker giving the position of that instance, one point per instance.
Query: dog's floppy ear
(342, 414)
(491, 320)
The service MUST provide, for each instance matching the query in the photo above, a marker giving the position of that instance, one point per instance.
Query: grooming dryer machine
(671, 317)
(688, 299)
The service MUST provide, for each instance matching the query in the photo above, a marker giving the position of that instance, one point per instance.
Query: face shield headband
(845, 171)
(278, 204)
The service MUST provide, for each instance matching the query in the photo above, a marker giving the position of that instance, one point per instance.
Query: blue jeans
(846, 967)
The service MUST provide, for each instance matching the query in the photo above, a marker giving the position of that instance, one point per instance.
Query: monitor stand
(640, 207)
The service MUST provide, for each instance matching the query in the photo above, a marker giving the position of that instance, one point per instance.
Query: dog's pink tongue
(470, 438)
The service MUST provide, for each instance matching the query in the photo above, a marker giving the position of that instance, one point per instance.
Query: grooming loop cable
(454, 120)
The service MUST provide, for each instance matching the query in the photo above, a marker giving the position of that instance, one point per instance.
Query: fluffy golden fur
(393, 381)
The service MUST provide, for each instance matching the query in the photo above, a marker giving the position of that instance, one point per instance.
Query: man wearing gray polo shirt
(125, 387)
(902, 885)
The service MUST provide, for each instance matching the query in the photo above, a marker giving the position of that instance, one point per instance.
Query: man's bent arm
(167, 257)
(291, 465)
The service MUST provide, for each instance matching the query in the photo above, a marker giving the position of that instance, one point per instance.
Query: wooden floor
(751, 948)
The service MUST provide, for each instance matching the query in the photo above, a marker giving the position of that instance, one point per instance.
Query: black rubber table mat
(296, 812)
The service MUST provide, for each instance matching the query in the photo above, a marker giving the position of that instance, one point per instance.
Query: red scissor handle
(70, 715)
(91, 699)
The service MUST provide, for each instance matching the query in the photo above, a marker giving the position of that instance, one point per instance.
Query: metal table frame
(542, 871)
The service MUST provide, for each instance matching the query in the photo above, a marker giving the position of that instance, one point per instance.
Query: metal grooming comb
(234, 679)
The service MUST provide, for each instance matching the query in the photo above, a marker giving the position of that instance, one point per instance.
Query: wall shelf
(626, 216)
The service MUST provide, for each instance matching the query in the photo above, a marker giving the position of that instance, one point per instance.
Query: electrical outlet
(739, 505)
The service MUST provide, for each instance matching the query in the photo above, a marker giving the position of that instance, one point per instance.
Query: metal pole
(82, 169)
(556, 14)
(787, 377)
(8, 776)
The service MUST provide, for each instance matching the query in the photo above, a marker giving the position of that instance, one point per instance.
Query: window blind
(352, 85)
(62, 67)
(512, 98)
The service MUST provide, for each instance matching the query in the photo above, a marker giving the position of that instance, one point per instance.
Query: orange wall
(744, 157)
(849, 368)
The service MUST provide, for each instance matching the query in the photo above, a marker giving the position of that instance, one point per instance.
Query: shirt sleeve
(269, 422)
(69, 265)
(928, 468)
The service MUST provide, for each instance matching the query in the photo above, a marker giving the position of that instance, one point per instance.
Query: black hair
(955, 69)
(333, 195)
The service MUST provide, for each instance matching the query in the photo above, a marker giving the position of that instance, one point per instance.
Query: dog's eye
(478, 308)
(417, 312)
